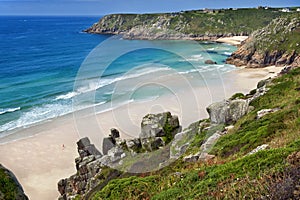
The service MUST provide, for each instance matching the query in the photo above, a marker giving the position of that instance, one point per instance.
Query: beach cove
(42, 151)
(43, 160)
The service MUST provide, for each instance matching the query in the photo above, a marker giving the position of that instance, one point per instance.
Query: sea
(47, 63)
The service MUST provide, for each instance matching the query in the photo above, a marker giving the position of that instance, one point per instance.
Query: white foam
(97, 84)
(36, 115)
(8, 110)
(67, 96)
(227, 53)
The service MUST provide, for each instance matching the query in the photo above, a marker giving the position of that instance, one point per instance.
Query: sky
(101, 7)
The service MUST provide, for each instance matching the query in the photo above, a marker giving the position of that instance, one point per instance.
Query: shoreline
(47, 156)
(234, 40)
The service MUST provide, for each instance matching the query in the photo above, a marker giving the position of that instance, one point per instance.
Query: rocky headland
(207, 24)
(276, 44)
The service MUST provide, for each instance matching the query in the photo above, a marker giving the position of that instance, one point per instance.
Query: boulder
(210, 62)
(259, 148)
(191, 158)
(158, 125)
(227, 112)
(114, 133)
(264, 112)
(83, 142)
(85, 148)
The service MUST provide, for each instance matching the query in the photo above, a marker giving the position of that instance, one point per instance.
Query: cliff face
(10, 188)
(196, 25)
(276, 44)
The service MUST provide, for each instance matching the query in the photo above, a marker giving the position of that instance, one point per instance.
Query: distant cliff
(276, 44)
(196, 25)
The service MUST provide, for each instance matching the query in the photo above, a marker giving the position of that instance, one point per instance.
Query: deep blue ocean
(40, 58)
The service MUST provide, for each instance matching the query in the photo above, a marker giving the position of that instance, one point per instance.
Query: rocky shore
(159, 132)
(276, 44)
(188, 25)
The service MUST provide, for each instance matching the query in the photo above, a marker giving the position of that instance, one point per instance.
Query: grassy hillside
(193, 23)
(269, 174)
(283, 34)
(276, 44)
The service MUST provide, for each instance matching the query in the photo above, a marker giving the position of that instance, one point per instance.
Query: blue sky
(100, 7)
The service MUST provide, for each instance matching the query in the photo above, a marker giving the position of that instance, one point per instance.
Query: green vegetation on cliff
(233, 174)
(196, 23)
(10, 189)
(276, 44)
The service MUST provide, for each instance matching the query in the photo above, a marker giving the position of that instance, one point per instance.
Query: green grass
(7, 186)
(197, 22)
(250, 132)
(278, 37)
(232, 175)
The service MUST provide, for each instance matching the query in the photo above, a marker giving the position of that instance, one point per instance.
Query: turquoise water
(41, 59)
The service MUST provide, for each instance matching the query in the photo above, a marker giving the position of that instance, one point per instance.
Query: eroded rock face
(85, 148)
(255, 53)
(227, 111)
(157, 129)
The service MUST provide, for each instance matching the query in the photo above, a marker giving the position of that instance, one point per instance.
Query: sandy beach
(47, 151)
(235, 40)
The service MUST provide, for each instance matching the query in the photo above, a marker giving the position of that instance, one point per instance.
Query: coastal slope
(204, 24)
(276, 44)
(248, 148)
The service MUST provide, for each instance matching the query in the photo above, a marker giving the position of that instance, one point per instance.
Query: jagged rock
(154, 125)
(228, 111)
(259, 148)
(62, 186)
(85, 148)
(286, 70)
(14, 188)
(108, 143)
(254, 52)
(182, 140)
(211, 141)
(178, 147)
(91, 162)
(191, 158)
(114, 133)
(116, 153)
(134, 145)
(210, 62)
(153, 143)
(263, 112)
(157, 143)
(261, 83)
(82, 143)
